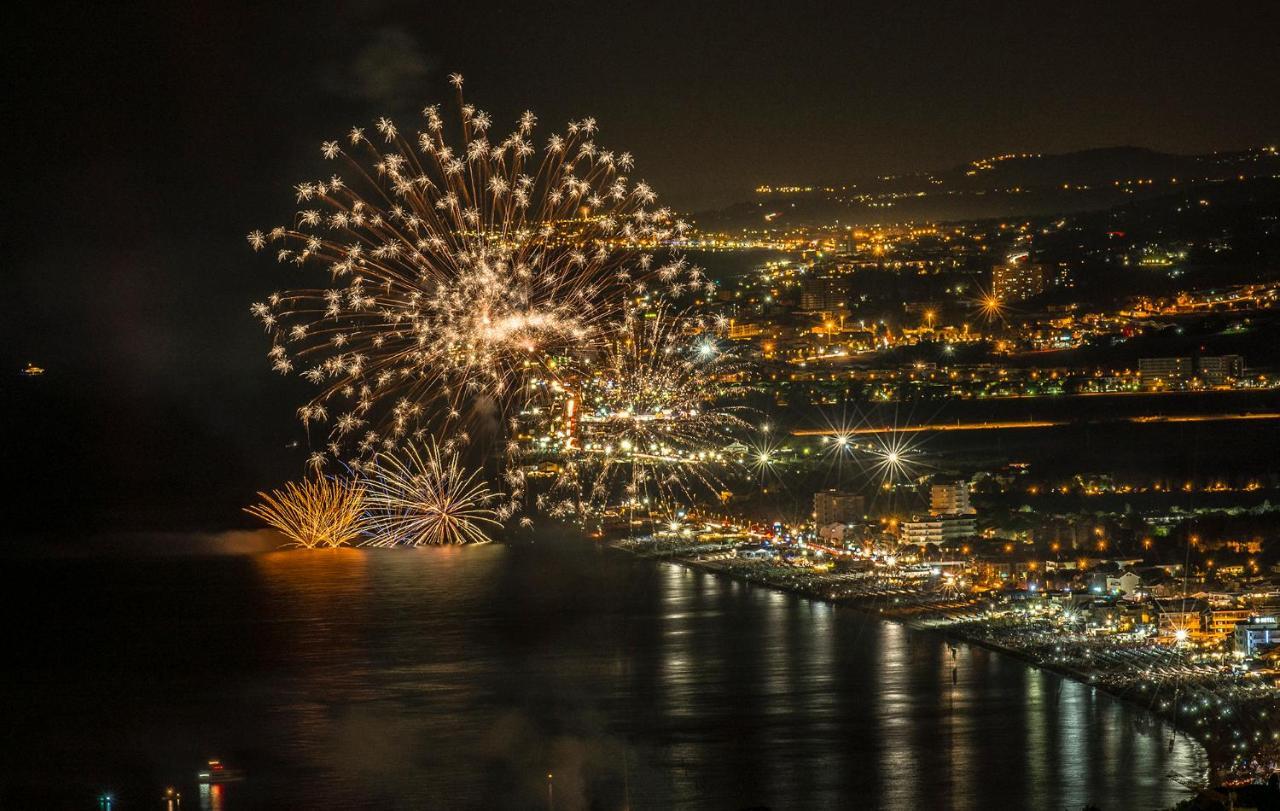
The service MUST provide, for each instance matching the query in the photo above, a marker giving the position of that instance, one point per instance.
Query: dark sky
(144, 140)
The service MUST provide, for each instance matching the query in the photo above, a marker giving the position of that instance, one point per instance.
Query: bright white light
(1180, 634)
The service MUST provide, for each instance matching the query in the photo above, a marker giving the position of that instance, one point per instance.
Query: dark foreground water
(459, 678)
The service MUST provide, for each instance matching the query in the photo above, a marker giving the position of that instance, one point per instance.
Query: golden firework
(455, 270)
(319, 513)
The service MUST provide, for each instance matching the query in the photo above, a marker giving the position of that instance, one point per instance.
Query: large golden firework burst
(456, 267)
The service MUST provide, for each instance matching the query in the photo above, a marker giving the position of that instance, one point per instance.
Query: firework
(650, 426)
(456, 268)
(320, 513)
(426, 498)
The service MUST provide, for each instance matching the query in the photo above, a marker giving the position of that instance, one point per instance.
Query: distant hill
(999, 186)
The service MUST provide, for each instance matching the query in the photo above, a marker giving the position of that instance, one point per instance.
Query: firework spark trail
(650, 424)
(456, 272)
(426, 498)
(325, 512)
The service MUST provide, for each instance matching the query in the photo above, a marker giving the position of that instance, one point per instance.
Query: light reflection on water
(458, 678)
(211, 797)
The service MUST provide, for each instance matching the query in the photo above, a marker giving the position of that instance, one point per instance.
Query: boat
(216, 773)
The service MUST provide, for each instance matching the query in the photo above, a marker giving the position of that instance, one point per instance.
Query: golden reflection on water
(957, 723)
(317, 601)
(894, 717)
(769, 664)
(675, 674)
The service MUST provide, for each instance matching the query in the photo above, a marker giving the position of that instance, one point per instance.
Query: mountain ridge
(1002, 185)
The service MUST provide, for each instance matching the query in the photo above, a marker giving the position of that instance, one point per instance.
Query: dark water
(458, 678)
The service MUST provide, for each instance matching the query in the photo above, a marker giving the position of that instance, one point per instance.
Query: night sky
(144, 141)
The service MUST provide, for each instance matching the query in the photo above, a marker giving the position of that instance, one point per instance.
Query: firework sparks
(427, 498)
(455, 271)
(320, 513)
(650, 425)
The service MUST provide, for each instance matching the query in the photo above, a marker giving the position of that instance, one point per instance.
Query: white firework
(425, 497)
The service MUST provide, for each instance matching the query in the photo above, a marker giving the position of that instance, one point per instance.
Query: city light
(859, 469)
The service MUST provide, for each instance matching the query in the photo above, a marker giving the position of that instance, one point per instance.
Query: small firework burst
(320, 513)
(422, 498)
(651, 431)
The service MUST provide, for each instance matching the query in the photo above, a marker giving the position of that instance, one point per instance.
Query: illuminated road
(1016, 424)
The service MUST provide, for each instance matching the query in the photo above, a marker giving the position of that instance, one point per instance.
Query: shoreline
(1218, 761)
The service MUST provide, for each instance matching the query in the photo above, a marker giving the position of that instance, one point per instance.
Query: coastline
(1218, 760)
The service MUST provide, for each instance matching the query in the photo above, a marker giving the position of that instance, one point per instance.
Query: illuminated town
(592, 405)
(852, 344)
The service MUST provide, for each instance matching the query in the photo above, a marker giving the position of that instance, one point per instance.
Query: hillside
(1012, 185)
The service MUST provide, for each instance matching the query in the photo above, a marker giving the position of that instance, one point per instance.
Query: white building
(1125, 583)
(950, 499)
(937, 529)
(1256, 633)
(1220, 369)
(833, 533)
(1018, 279)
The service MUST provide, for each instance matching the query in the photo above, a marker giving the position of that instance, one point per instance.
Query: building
(1257, 632)
(1124, 584)
(1018, 279)
(833, 533)
(1223, 621)
(1152, 369)
(951, 517)
(1180, 618)
(950, 499)
(824, 293)
(1220, 369)
(835, 507)
(937, 529)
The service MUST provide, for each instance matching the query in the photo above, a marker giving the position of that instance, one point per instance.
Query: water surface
(459, 678)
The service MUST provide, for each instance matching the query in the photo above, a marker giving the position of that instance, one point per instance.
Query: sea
(542, 672)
